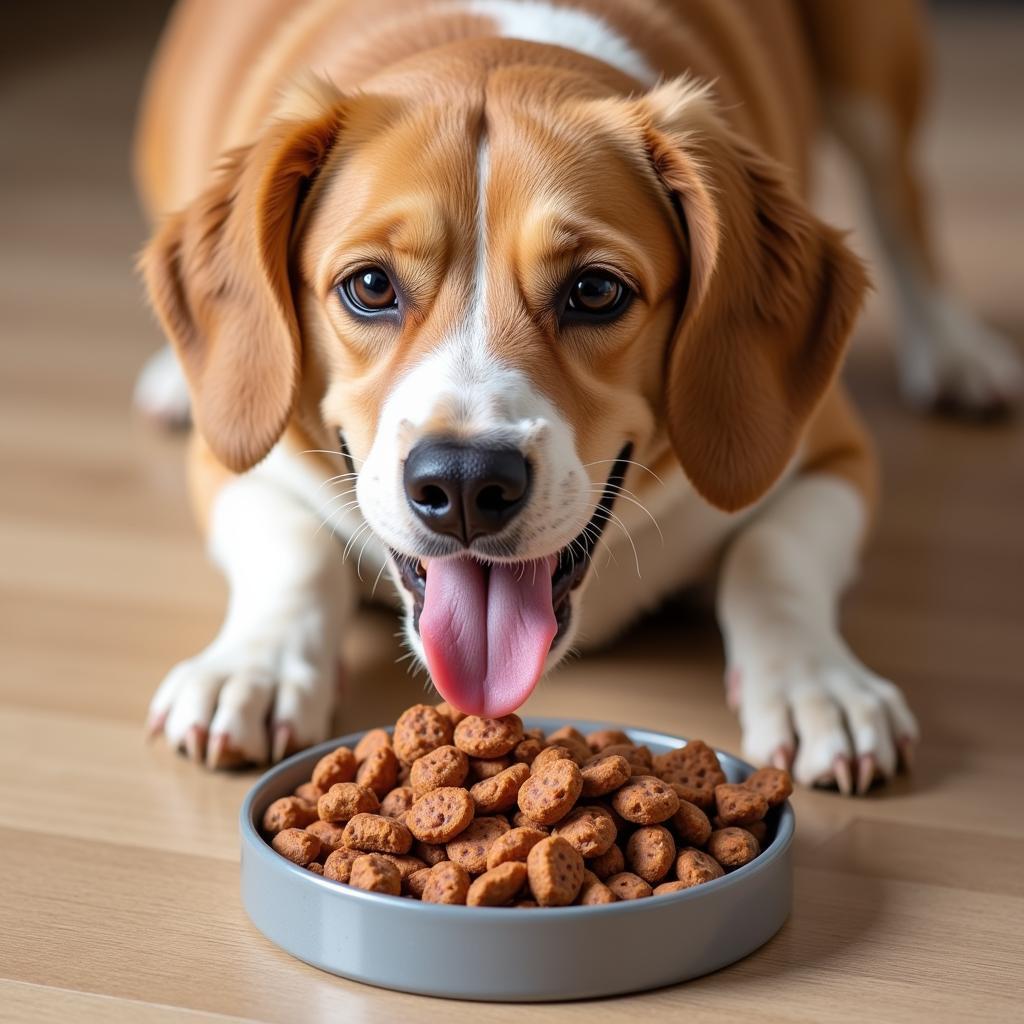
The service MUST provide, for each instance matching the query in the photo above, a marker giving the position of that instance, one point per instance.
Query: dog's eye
(596, 295)
(368, 291)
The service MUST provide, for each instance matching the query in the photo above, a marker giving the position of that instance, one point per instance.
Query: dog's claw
(282, 741)
(866, 769)
(905, 746)
(155, 725)
(783, 759)
(843, 772)
(195, 742)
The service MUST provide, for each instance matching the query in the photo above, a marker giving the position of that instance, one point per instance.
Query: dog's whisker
(643, 508)
(628, 462)
(609, 516)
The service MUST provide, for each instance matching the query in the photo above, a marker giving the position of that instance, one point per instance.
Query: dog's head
(497, 294)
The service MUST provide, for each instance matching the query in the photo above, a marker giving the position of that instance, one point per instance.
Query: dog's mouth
(487, 627)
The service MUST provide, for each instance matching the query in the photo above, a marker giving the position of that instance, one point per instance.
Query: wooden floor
(118, 861)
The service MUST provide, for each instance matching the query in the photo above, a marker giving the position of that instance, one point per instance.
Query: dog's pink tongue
(486, 635)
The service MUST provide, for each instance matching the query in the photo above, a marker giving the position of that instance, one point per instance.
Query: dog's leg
(799, 690)
(161, 392)
(266, 685)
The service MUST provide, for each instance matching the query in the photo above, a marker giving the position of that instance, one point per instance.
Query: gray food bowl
(508, 954)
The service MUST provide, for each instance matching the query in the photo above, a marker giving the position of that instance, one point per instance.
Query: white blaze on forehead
(582, 31)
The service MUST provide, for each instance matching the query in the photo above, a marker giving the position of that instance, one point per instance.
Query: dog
(491, 291)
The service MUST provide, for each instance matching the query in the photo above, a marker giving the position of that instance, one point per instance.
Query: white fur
(794, 676)
(161, 392)
(582, 31)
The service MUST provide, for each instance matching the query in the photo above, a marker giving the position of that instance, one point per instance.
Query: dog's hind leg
(872, 62)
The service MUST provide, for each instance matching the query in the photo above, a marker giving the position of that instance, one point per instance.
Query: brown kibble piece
(667, 888)
(417, 882)
(738, 805)
(527, 749)
(604, 774)
(608, 864)
(645, 800)
(316, 867)
(406, 864)
(345, 800)
(472, 845)
(775, 785)
(429, 853)
(444, 766)
(338, 866)
(497, 886)
(555, 869)
(594, 892)
(440, 815)
(419, 730)
(337, 766)
(650, 852)
(515, 844)
(549, 793)
(298, 845)
(492, 796)
(379, 771)
(548, 755)
(759, 830)
(397, 802)
(375, 874)
(331, 835)
(488, 737)
(602, 738)
(371, 741)
(288, 812)
(448, 883)
(520, 820)
(691, 824)
(308, 792)
(373, 833)
(732, 847)
(454, 715)
(481, 768)
(589, 830)
(573, 741)
(695, 867)
(696, 769)
(639, 758)
(627, 886)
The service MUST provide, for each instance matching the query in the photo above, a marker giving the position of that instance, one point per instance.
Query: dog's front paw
(826, 716)
(244, 702)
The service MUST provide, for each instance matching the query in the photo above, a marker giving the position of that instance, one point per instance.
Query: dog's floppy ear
(218, 276)
(773, 293)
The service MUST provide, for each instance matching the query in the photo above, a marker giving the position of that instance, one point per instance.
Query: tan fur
(390, 171)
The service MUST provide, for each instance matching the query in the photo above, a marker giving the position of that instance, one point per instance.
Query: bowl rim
(254, 842)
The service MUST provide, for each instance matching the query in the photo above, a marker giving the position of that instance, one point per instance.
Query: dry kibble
(288, 812)
(639, 758)
(417, 882)
(397, 802)
(337, 766)
(452, 714)
(515, 844)
(444, 766)
(608, 864)
(429, 853)
(548, 755)
(298, 845)
(691, 824)
(448, 883)
(694, 768)
(759, 830)
(520, 820)
(375, 874)
(651, 852)
(775, 785)
(440, 815)
(573, 741)
(695, 867)
(549, 793)
(593, 891)
(497, 886)
(419, 730)
(330, 834)
(316, 867)
(308, 792)
(527, 750)
(555, 869)
(379, 771)
(667, 888)
(338, 865)
(492, 796)
(645, 800)
(371, 741)
(733, 847)
(604, 773)
(590, 830)
(345, 800)
(602, 738)
(481, 768)
(488, 737)
(373, 833)
(627, 886)
(406, 864)
(738, 805)
(472, 845)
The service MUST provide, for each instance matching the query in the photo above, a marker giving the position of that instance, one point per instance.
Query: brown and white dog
(492, 289)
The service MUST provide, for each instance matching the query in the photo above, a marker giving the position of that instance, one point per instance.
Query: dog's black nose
(465, 490)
